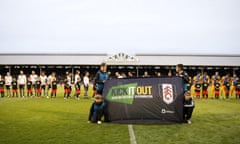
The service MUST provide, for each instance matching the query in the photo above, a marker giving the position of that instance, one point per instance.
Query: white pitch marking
(132, 135)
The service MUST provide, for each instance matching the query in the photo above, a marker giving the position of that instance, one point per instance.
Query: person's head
(33, 72)
(53, 74)
(198, 73)
(8, 73)
(78, 72)
(146, 73)
(21, 72)
(43, 73)
(228, 75)
(86, 73)
(158, 74)
(117, 74)
(187, 95)
(169, 73)
(14, 79)
(179, 67)
(234, 75)
(103, 67)
(123, 75)
(216, 73)
(130, 74)
(98, 98)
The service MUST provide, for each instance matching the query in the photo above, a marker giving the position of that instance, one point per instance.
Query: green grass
(34, 121)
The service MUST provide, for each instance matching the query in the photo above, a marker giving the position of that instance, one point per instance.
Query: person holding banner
(181, 73)
(188, 100)
(97, 110)
(188, 107)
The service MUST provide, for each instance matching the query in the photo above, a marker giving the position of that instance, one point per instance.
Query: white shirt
(50, 79)
(76, 78)
(120, 76)
(86, 80)
(8, 80)
(69, 80)
(22, 79)
(33, 78)
(43, 79)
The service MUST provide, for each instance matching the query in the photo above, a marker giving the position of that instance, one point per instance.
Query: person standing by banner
(181, 73)
(100, 78)
(188, 107)
(188, 99)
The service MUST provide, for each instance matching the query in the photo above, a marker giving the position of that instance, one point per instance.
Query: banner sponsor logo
(164, 111)
(128, 92)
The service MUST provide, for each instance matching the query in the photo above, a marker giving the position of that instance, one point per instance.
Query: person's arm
(185, 77)
(96, 78)
(91, 113)
(25, 79)
(75, 79)
(85, 81)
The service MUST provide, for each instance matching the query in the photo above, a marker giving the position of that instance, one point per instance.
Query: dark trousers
(187, 113)
(21, 87)
(97, 116)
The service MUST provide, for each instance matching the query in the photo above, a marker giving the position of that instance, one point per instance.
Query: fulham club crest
(167, 93)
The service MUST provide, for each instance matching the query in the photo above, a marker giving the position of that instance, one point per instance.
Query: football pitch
(53, 121)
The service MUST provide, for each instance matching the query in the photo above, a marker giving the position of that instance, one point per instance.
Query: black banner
(145, 100)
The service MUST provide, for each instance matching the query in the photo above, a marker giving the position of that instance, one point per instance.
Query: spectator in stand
(169, 73)
(146, 75)
(130, 75)
(158, 74)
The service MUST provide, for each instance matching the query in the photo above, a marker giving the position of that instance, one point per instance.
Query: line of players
(41, 85)
(33, 84)
(220, 86)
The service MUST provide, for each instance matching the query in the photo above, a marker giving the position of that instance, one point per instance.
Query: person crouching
(97, 110)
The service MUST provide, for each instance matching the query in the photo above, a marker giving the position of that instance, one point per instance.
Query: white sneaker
(189, 122)
(99, 122)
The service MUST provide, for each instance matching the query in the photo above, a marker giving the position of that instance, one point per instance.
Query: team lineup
(201, 85)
